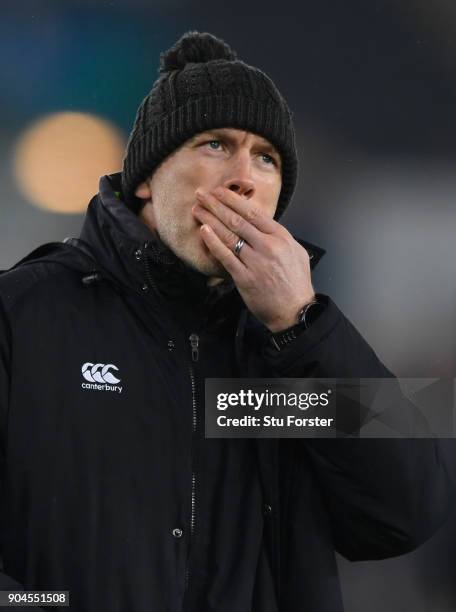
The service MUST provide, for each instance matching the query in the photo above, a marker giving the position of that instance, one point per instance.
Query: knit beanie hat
(202, 86)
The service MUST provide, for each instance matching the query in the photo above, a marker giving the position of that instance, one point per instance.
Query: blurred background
(373, 89)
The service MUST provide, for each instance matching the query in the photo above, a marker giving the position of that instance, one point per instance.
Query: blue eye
(214, 142)
(268, 158)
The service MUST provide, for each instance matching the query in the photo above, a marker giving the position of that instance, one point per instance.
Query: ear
(146, 212)
(143, 192)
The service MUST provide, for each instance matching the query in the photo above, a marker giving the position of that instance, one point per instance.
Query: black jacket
(73, 481)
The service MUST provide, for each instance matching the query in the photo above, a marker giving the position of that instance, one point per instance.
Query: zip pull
(194, 341)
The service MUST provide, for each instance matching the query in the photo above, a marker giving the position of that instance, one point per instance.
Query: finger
(247, 209)
(231, 219)
(228, 237)
(220, 251)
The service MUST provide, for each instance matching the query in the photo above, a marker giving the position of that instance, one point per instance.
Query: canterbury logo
(101, 377)
(99, 372)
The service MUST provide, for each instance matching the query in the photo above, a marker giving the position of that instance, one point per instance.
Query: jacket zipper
(194, 345)
(194, 342)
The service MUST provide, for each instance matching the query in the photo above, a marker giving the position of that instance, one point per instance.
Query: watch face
(311, 313)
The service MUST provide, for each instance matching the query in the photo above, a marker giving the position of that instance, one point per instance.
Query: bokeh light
(59, 159)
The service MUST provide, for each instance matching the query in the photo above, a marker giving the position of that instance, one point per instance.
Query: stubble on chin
(190, 250)
(197, 259)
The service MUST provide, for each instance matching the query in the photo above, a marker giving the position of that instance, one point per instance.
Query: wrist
(291, 318)
(306, 317)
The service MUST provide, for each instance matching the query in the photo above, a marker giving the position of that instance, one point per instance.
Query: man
(183, 272)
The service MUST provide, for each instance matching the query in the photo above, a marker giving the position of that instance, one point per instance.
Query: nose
(243, 187)
(240, 180)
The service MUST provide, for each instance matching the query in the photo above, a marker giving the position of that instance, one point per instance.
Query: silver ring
(238, 246)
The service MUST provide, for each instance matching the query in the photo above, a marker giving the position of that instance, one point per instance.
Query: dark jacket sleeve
(7, 582)
(385, 496)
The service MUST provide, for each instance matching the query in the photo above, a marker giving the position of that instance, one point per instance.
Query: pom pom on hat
(195, 47)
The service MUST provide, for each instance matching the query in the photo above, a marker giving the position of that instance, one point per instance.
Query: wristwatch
(306, 316)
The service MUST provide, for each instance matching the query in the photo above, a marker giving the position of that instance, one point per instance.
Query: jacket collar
(137, 258)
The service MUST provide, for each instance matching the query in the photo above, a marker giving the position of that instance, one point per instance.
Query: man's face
(228, 157)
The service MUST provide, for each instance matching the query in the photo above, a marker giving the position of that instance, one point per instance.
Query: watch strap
(307, 315)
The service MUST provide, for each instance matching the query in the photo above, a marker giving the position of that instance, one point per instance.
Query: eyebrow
(219, 133)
